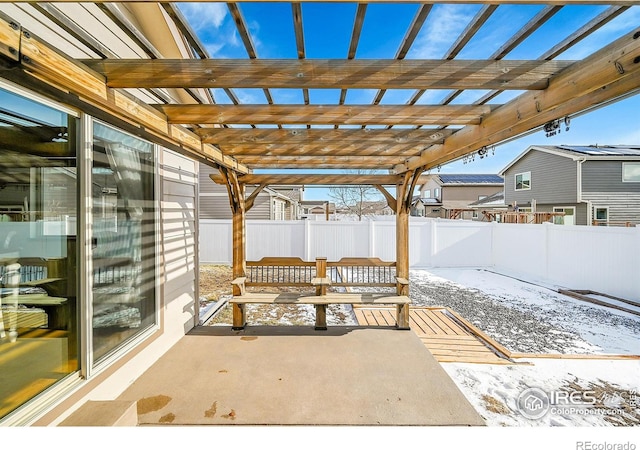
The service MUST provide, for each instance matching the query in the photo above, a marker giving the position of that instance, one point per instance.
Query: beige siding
(430, 185)
(179, 264)
(463, 195)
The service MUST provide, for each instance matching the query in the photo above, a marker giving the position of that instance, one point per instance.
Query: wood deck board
(382, 318)
(432, 317)
(440, 333)
(446, 322)
(426, 327)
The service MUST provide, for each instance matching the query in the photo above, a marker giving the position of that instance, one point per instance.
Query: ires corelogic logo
(533, 403)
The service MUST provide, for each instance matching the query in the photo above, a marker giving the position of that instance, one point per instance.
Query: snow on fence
(601, 259)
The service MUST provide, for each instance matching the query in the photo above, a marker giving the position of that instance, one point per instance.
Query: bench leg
(402, 317)
(239, 316)
(321, 317)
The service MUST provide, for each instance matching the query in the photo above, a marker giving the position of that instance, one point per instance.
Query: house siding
(431, 185)
(464, 195)
(215, 205)
(553, 179)
(179, 262)
(605, 176)
(623, 206)
(206, 183)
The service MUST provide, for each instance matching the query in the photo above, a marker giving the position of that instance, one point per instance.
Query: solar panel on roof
(470, 178)
(603, 151)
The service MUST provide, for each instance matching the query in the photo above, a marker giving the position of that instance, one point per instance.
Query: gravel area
(525, 317)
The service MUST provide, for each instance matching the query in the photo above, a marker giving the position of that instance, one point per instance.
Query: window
(279, 210)
(436, 193)
(426, 194)
(567, 219)
(600, 216)
(38, 227)
(523, 181)
(480, 197)
(631, 172)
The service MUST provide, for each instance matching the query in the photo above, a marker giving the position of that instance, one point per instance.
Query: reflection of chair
(11, 282)
(116, 275)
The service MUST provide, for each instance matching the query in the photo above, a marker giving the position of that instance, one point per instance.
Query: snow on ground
(585, 392)
(529, 318)
(525, 317)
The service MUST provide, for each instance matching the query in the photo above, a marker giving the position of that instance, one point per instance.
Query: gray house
(451, 195)
(270, 204)
(597, 185)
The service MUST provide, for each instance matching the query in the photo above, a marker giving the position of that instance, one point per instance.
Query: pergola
(401, 140)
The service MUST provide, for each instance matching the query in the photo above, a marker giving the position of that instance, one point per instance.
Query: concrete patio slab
(290, 375)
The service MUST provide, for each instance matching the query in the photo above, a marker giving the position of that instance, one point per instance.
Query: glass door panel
(123, 238)
(38, 228)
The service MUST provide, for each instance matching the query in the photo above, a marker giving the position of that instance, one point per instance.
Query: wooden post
(321, 309)
(321, 272)
(235, 189)
(403, 206)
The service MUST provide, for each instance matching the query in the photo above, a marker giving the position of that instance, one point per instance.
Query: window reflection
(123, 238)
(38, 211)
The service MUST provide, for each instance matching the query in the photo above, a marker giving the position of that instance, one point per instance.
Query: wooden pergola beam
(391, 200)
(347, 162)
(327, 73)
(323, 149)
(326, 114)
(302, 136)
(339, 179)
(606, 75)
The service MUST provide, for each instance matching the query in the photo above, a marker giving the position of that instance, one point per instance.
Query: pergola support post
(236, 191)
(403, 208)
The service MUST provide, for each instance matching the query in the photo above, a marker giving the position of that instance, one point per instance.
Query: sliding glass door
(38, 228)
(123, 238)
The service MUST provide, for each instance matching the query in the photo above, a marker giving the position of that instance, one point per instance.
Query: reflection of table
(55, 307)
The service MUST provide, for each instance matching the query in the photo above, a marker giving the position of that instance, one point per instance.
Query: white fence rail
(602, 259)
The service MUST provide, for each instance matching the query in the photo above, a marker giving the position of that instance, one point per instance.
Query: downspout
(579, 190)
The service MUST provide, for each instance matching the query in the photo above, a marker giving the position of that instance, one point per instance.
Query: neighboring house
(490, 208)
(590, 184)
(316, 209)
(273, 203)
(376, 208)
(450, 195)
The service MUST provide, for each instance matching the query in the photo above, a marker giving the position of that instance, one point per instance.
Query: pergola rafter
(329, 73)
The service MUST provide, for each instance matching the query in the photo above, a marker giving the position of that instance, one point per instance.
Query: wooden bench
(312, 280)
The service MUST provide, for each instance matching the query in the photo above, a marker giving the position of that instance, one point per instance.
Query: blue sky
(327, 33)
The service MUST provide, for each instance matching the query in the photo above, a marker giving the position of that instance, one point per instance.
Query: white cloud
(442, 29)
(625, 23)
(203, 16)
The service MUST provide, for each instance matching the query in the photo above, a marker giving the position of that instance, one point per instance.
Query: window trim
(629, 163)
(515, 181)
(595, 215)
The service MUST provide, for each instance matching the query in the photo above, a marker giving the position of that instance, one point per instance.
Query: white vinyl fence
(601, 259)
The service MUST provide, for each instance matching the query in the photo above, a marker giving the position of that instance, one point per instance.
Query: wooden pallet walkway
(444, 334)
